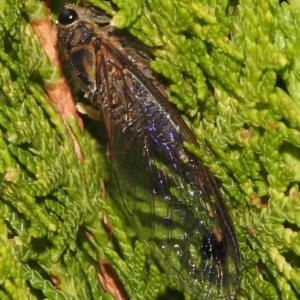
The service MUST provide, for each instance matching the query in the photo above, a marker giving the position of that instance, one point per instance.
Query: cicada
(169, 197)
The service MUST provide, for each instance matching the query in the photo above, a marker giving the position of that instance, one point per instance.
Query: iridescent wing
(171, 199)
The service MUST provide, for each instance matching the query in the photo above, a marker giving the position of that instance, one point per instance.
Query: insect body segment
(170, 198)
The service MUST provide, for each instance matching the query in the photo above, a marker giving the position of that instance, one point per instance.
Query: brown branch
(59, 93)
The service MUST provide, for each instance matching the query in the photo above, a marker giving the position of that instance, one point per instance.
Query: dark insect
(170, 198)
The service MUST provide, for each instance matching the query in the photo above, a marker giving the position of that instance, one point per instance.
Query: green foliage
(233, 72)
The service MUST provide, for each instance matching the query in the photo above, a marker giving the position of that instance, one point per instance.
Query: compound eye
(67, 16)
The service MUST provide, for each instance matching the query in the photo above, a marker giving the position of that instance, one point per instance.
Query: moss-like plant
(232, 68)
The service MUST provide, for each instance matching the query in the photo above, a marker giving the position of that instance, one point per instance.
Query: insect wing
(170, 199)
